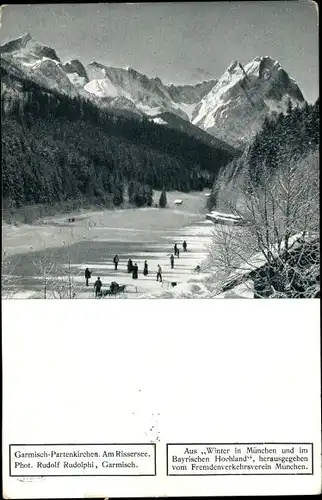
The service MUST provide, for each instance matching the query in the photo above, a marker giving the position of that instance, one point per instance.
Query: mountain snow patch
(102, 88)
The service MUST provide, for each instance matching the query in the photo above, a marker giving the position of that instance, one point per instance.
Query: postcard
(158, 157)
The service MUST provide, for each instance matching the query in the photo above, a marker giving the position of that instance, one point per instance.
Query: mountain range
(231, 108)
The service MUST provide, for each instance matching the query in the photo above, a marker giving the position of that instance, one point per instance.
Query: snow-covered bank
(201, 285)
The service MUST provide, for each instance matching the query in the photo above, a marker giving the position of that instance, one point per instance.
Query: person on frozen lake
(129, 266)
(98, 287)
(184, 246)
(135, 272)
(159, 273)
(175, 249)
(172, 261)
(116, 261)
(114, 287)
(87, 275)
(145, 269)
(178, 252)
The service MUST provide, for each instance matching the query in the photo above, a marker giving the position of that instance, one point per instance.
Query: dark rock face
(190, 94)
(45, 51)
(282, 85)
(75, 66)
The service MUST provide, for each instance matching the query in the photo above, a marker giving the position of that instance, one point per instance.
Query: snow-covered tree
(8, 279)
(279, 243)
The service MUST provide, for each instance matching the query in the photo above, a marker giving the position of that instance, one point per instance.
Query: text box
(28, 460)
(233, 459)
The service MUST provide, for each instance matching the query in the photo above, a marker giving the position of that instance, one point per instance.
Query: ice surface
(94, 238)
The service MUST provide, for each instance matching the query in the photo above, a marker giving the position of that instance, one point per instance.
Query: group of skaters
(134, 268)
(177, 251)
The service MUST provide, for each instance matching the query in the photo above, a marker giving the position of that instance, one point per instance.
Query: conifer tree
(163, 199)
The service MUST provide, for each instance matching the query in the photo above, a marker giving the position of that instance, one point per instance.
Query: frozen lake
(56, 249)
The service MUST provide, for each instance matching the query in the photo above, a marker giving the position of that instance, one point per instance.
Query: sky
(180, 42)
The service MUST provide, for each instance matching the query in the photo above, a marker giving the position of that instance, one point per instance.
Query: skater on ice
(98, 287)
(145, 269)
(116, 261)
(172, 261)
(129, 266)
(135, 272)
(87, 275)
(184, 246)
(159, 273)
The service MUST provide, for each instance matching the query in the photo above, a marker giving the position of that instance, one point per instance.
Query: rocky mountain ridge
(231, 108)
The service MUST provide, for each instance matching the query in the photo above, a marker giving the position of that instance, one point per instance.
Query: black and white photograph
(160, 150)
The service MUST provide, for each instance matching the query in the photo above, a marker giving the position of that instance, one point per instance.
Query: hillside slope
(56, 148)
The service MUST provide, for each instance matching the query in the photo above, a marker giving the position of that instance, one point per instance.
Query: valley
(112, 139)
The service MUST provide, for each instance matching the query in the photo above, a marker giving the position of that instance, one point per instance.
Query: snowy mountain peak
(38, 62)
(132, 71)
(268, 61)
(231, 108)
(27, 48)
(24, 39)
(17, 43)
(95, 64)
(149, 95)
(262, 66)
(234, 66)
(236, 106)
(257, 67)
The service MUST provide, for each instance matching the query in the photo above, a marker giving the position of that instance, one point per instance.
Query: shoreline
(55, 231)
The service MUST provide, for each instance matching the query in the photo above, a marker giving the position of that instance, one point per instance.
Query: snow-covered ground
(95, 237)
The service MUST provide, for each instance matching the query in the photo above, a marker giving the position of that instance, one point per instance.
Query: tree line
(283, 138)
